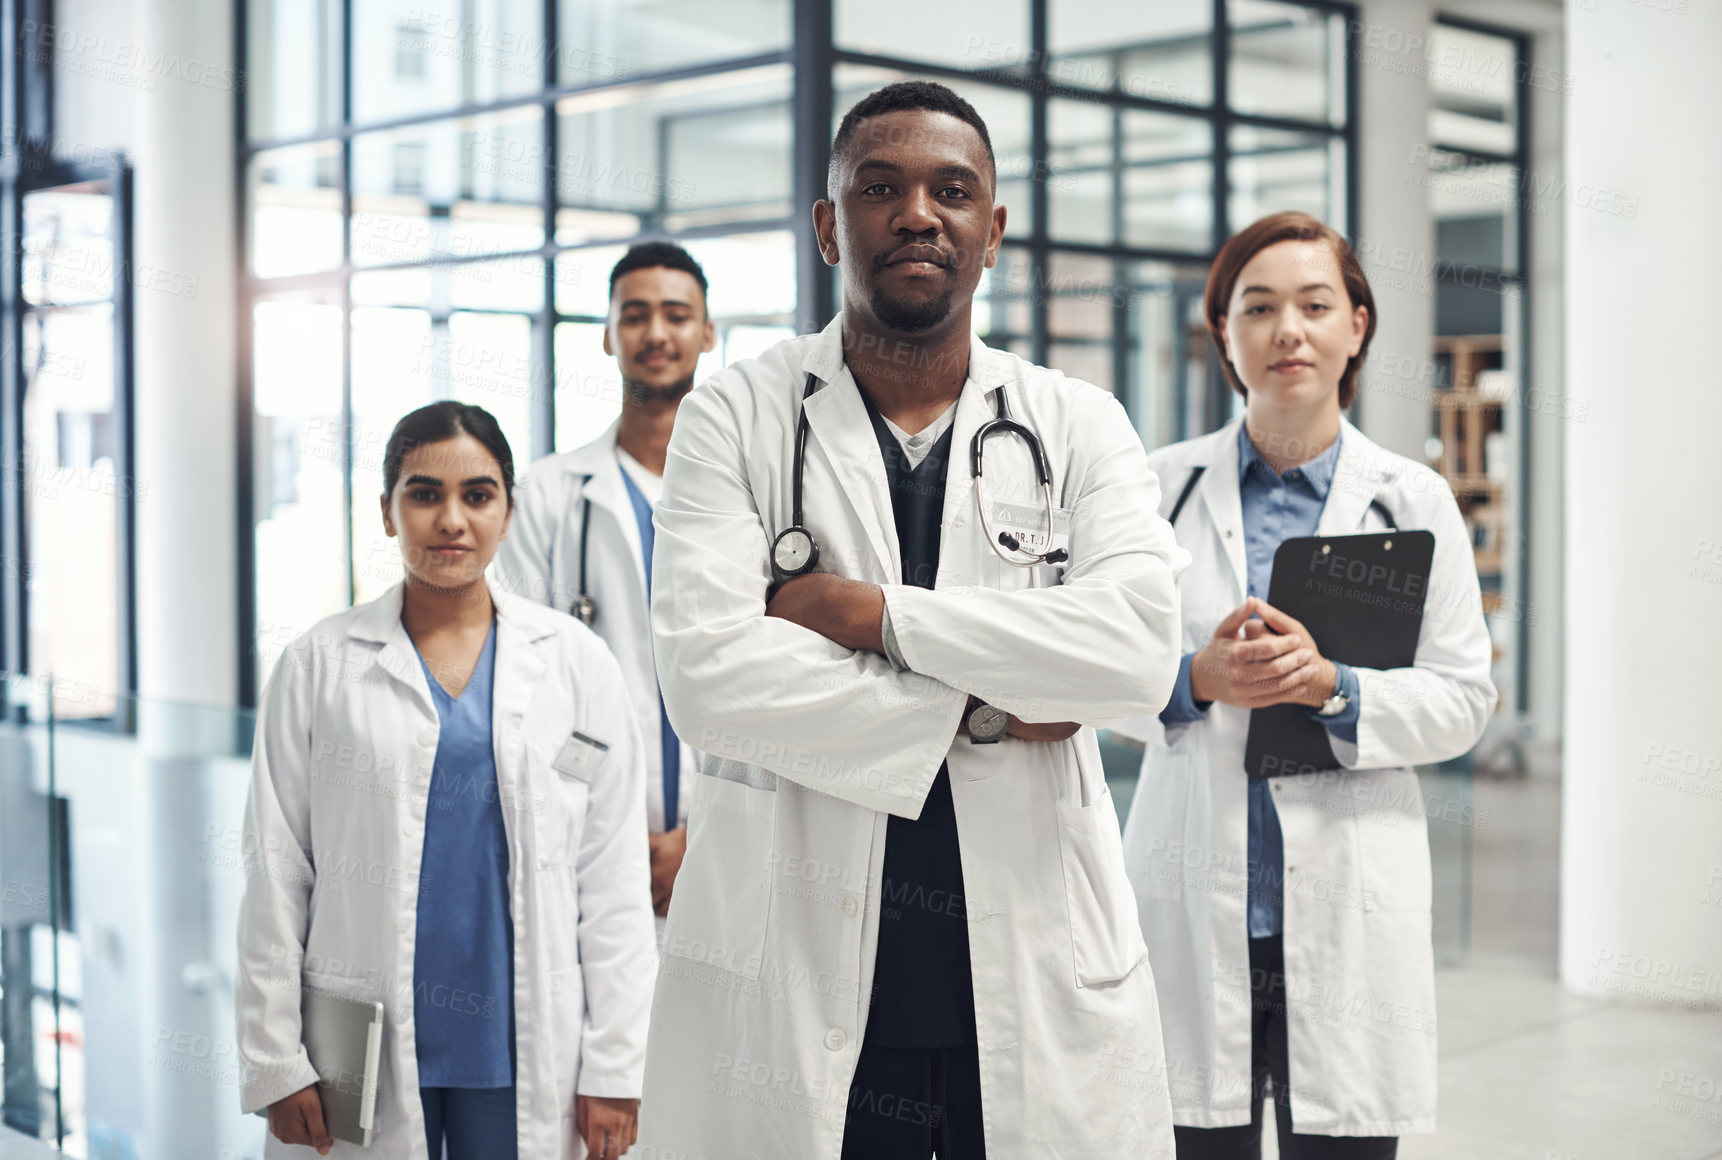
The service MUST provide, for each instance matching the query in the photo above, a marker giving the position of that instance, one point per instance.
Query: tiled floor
(1532, 1071)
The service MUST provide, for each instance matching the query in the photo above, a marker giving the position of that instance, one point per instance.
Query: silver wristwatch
(1334, 705)
(987, 724)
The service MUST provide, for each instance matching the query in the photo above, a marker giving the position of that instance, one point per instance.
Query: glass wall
(443, 226)
(1481, 192)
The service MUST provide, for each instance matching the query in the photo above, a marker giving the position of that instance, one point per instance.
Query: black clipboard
(1361, 597)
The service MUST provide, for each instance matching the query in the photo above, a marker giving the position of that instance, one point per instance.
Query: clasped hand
(1260, 656)
(851, 613)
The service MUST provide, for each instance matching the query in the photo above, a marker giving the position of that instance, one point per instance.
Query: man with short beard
(582, 537)
(906, 927)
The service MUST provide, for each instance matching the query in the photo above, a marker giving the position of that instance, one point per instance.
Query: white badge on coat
(580, 757)
(1027, 522)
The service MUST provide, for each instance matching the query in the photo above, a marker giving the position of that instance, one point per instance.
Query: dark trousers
(1268, 1067)
(910, 1103)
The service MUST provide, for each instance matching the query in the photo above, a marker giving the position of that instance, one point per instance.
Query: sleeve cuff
(1183, 706)
(1343, 725)
(888, 634)
(609, 1085)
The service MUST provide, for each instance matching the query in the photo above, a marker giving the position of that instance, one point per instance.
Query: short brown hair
(1291, 226)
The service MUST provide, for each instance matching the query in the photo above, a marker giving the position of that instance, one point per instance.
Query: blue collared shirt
(1276, 508)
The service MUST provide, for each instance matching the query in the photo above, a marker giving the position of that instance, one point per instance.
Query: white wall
(1641, 868)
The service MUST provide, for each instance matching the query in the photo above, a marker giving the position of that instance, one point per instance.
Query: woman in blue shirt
(1287, 918)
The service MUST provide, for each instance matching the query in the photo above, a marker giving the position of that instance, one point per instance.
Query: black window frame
(813, 57)
(28, 164)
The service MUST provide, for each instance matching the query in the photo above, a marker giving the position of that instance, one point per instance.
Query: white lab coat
(764, 992)
(1358, 959)
(334, 831)
(540, 560)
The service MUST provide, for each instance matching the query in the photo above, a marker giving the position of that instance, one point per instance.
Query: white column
(1641, 864)
(186, 453)
(1396, 232)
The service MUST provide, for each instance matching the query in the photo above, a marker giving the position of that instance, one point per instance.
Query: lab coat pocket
(1392, 840)
(1104, 931)
(562, 820)
(723, 892)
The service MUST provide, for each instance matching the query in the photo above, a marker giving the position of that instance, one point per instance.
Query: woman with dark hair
(446, 815)
(1287, 918)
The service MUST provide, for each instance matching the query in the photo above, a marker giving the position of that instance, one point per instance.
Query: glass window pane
(1142, 179)
(68, 245)
(1005, 111)
(1003, 309)
(293, 86)
(495, 351)
(1159, 51)
(71, 493)
(683, 155)
(588, 385)
(412, 58)
(450, 189)
(967, 34)
(1274, 170)
(299, 455)
(751, 281)
(603, 40)
(395, 361)
(1473, 90)
(1475, 204)
(1287, 61)
(296, 210)
(583, 280)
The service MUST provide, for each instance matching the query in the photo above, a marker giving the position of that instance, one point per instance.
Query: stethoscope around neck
(796, 553)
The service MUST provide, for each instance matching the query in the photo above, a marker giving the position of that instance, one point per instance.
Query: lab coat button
(850, 906)
(835, 1039)
(428, 738)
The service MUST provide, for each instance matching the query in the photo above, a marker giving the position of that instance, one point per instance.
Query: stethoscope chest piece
(585, 610)
(794, 553)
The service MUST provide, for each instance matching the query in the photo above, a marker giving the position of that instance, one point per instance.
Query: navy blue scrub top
(924, 993)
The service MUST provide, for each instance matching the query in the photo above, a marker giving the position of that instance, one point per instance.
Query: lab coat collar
(1362, 471)
(604, 489)
(1218, 453)
(518, 621)
(838, 419)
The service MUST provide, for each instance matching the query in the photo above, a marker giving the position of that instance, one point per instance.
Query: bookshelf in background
(1474, 388)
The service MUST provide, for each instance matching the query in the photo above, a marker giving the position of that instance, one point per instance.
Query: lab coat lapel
(397, 659)
(975, 406)
(520, 665)
(606, 492)
(1219, 490)
(1356, 480)
(844, 433)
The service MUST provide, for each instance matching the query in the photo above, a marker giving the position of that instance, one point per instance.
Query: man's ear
(825, 229)
(711, 335)
(608, 349)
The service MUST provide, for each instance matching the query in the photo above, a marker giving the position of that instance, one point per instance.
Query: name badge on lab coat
(580, 757)
(1027, 522)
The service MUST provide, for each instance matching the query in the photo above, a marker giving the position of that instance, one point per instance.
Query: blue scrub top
(463, 959)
